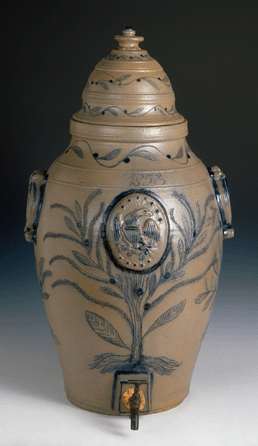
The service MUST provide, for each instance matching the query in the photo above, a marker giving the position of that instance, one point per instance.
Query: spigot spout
(135, 402)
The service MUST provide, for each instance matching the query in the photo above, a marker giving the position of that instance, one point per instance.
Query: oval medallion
(136, 231)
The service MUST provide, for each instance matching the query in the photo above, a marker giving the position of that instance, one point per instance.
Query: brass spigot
(135, 402)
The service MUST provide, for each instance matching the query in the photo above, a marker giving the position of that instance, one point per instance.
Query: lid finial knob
(129, 41)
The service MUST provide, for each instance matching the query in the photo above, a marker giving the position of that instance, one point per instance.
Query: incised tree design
(141, 293)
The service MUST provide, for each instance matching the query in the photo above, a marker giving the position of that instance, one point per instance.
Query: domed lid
(128, 88)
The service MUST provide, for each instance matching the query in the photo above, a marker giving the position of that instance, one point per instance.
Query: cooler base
(91, 408)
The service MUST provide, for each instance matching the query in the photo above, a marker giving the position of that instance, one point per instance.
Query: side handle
(37, 184)
(221, 190)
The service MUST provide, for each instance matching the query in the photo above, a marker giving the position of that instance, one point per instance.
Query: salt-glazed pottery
(127, 226)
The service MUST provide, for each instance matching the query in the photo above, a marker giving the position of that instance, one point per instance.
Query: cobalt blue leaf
(82, 258)
(180, 246)
(152, 283)
(179, 154)
(151, 83)
(104, 329)
(78, 210)
(201, 297)
(168, 316)
(95, 109)
(110, 155)
(144, 154)
(110, 292)
(138, 110)
(161, 112)
(70, 224)
(112, 111)
(103, 85)
(122, 78)
(78, 151)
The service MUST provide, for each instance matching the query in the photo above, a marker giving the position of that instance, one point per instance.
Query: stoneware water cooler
(128, 227)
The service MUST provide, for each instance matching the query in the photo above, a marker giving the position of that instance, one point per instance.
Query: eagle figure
(137, 228)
